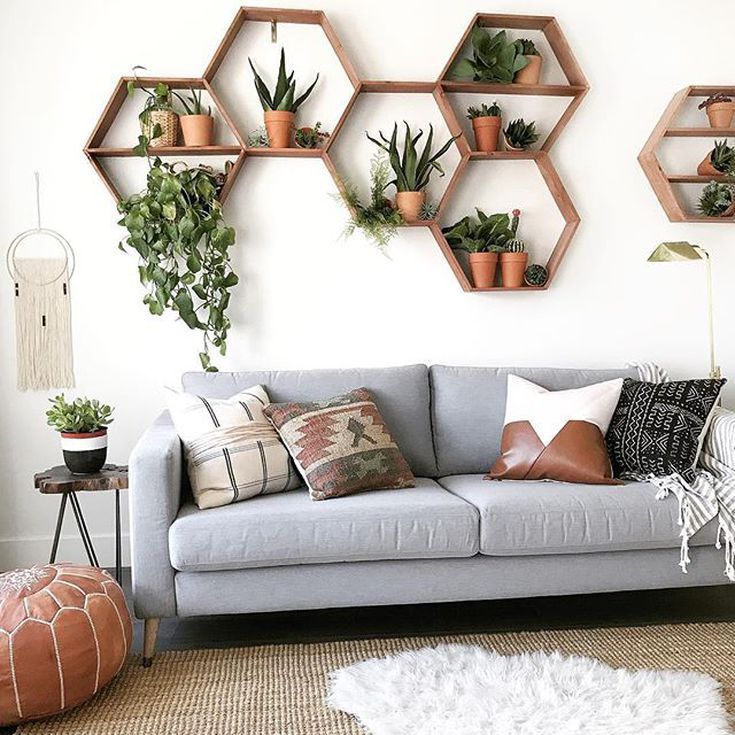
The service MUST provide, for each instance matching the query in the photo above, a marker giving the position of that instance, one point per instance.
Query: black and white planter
(84, 454)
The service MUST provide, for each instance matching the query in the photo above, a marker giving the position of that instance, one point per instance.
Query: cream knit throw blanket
(712, 492)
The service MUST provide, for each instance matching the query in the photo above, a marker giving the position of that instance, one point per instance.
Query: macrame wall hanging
(41, 262)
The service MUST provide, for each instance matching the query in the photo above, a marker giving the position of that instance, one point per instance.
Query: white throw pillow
(232, 451)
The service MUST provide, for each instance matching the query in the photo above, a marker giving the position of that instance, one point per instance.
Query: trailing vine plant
(176, 226)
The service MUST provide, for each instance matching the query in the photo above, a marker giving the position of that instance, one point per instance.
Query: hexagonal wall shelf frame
(663, 182)
(576, 88)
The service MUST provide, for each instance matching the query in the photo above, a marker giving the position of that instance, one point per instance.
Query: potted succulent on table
(719, 161)
(486, 124)
(483, 238)
(717, 200)
(280, 107)
(313, 137)
(531, 72)
(514, 258)
(159, 123)
(412, 171)
(720, 109)
(196, 123)
(82, 425)
(520, 135)
(495, 58)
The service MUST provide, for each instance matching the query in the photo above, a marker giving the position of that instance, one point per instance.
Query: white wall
(307, 298)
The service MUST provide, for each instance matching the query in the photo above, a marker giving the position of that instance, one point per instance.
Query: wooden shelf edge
(504, 156)
(167, 151)
(542, 90)
(695, 179)
(285, 152)
(700, 132)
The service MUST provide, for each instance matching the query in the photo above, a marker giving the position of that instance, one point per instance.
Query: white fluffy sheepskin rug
(467, 690)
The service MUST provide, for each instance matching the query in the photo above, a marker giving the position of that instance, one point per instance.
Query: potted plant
(159, 123)
(196, 123)
(514, 258)
(412, 171)
(531, 72)
(486, 123)
(720, 109)
(311, 137)
(536, 275)
(520, 135)
(82, 425)
(719, 161)
(495, 59)
(717, 200)
(483, 238)
(280, 107)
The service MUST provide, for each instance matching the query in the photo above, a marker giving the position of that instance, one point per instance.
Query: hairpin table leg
(83, 532)
(59, 524)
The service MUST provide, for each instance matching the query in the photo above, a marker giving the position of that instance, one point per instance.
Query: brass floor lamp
(676, 252)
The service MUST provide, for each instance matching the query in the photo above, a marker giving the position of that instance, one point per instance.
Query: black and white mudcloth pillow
(232, 451)
(659, 428)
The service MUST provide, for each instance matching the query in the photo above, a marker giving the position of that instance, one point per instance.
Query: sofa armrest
(155, 468)
(718, 450)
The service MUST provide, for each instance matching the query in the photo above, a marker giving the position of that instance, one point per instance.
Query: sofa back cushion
(468, 408)
(401, 394)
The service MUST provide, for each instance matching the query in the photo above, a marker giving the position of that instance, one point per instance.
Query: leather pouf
(65, 632)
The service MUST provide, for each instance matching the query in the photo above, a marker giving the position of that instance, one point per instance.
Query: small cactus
(515, 246)
(516, 213)
(536, 275)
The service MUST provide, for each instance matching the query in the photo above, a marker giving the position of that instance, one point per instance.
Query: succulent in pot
(483, 237)
(514, 258)
(495, 58)
(717, 200)
(536, 275)
(412, 171)
(281, 106)
(486, 124)
(520, 135)
(197, 123)
(159, 123)
(719, 161)
(82, 424)
(531, 72)
(720, 109)
(311, 137)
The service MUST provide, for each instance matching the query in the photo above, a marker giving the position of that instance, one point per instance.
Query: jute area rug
(279, 689)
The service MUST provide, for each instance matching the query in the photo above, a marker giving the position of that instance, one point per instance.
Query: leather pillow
(556, 435)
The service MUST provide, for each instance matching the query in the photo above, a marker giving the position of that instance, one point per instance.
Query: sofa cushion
(523, 517)
(288, 528)
(468, 406)
(401, 394)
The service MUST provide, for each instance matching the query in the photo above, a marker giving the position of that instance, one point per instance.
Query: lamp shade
(671, 252)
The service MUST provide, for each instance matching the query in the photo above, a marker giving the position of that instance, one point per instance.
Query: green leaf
(230, 280)
(464, 69)
(193, 263)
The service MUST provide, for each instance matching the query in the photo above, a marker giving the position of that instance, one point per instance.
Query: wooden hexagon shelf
(664, 183)
(575, 88)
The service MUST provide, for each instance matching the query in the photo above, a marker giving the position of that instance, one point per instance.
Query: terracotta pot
(707, 169)
(84, 454)
(531, 72)
(513, 268)
(486, 133)
(483, 267)
(409, 204)
(197, 129)
(720, 114)
(279, 125)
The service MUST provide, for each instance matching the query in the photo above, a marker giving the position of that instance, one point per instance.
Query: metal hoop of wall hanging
(67, 268)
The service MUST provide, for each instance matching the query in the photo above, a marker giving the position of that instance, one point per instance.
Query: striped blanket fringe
(712, 492)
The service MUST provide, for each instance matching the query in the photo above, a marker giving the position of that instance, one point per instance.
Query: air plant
(495, 59)
(520, 135)
(311, 137)
(428, 211)
(258, 138)
(412, 171)
(283, 97)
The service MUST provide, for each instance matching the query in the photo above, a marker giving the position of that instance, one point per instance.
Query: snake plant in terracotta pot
(280, 106)
(486, 124)
(412, 171)
(483, 238)
(197, 123)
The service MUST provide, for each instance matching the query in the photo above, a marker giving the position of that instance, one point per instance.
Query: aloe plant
(284, 95)
(495, 59)
(481, 234)
(722, 157)
(412, 171)
(521, 135)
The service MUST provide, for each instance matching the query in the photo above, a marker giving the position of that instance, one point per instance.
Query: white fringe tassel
(43, 325)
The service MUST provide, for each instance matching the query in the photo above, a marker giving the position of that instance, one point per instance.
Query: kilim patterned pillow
(341, 446)
(659, 428)
(232, 451)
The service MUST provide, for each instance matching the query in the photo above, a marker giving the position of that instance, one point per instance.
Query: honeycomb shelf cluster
(575, 89)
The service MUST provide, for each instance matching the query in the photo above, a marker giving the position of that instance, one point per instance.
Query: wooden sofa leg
(150, 631)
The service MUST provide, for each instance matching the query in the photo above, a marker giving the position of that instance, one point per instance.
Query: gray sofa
(452, 537)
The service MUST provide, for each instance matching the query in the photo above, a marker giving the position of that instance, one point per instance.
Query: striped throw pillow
(232, 451)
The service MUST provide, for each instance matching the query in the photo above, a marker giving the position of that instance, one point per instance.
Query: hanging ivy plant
(177, 228)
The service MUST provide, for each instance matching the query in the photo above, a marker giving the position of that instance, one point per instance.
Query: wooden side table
(59, 480)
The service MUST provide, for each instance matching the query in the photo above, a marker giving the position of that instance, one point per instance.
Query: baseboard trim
(30, 550)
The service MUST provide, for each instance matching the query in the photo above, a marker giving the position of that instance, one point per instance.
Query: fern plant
(283, 96)
(521, 135)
